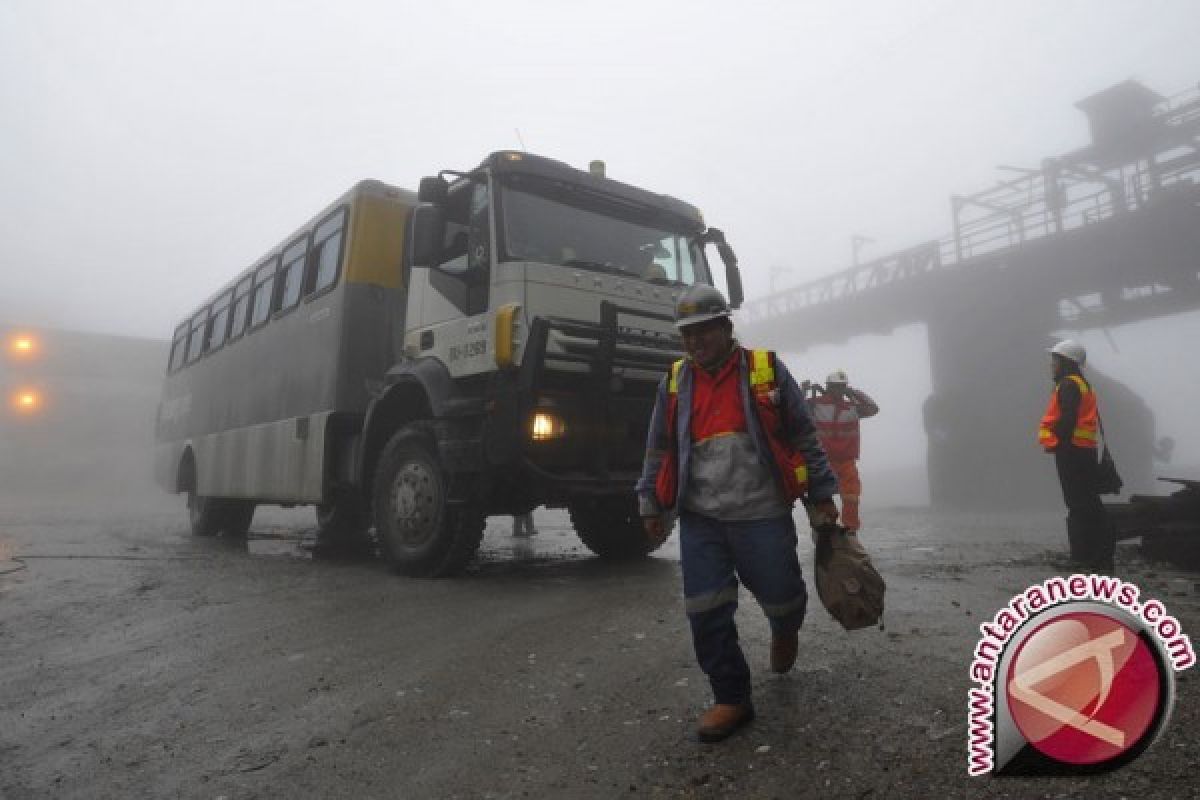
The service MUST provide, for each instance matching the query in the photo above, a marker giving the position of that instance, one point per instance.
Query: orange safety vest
(791, 468)
(837, 426)
(1087, 421)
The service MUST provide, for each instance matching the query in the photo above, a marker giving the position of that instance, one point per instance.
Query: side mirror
(427, 232)
(433, 190)
(733, 276)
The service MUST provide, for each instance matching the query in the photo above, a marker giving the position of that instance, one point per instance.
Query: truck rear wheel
(209, 516)
(204, 514)
(236, 517)
(344, 524)
(611, 527)
(419, 533)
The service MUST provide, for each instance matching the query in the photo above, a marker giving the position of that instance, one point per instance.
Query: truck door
(453, 304)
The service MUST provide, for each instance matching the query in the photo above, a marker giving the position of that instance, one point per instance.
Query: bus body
(417, 362)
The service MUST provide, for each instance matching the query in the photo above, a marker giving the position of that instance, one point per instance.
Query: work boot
(783, 651)
(723, 719)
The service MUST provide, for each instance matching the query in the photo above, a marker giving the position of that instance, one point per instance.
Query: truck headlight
(545, 426)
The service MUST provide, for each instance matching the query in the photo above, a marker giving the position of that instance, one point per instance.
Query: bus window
(293, 273)
(178, 347)
(241, 306)
(264, 293)
(220, 322)
(196, 337)
(327, 251)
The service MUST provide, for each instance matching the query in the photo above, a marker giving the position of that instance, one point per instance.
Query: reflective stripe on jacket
(1087, 420)
(776, 417)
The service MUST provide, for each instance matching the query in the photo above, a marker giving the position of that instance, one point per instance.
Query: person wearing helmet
(1069, 430)
(523, 526)
(731, 447)
(836, 411)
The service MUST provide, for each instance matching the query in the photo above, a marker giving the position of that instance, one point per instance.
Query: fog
(1156, 359)
(151, 153)
(151, 150)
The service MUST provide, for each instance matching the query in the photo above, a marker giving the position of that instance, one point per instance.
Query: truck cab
(537, 325)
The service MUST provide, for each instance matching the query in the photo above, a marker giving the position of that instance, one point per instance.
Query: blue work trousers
(715, 554)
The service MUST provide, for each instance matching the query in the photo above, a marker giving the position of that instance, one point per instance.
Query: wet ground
(137, 661)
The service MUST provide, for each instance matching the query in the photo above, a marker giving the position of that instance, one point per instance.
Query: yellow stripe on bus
(376, 246)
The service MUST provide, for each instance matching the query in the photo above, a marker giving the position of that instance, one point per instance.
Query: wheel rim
(415, 504)
(195, 508)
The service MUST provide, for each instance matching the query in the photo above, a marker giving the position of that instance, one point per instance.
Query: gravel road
(138, 661)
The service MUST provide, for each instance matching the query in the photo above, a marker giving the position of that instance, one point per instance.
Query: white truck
(418, 363)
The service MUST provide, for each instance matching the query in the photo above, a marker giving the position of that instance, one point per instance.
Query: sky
(151, 150)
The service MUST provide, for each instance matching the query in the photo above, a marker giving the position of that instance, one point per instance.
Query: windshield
(586, 231)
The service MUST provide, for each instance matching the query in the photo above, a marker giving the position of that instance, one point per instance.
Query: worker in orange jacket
(1070, 430)
(836, 411)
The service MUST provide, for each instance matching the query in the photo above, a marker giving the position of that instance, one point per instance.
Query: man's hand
(822, 514)
(656, 531)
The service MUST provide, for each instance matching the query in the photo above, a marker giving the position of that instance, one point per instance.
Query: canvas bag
(850, 587)
(1108, 481)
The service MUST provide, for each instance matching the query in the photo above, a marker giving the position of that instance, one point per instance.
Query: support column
(991, 380)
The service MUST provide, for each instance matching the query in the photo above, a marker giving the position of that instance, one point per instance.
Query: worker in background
(523, 525)
(731, 447)
(836, 410)
(1070, 430)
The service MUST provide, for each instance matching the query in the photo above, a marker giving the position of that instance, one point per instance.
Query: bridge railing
(923, 259)
(1064, 195)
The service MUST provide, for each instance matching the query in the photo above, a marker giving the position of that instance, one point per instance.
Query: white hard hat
(1070, 350)
(837, 376)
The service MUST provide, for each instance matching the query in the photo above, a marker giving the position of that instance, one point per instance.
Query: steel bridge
(1105, 235)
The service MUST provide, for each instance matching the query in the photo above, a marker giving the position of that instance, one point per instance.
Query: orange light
(545, 426)
(22, 345)
(26, 401)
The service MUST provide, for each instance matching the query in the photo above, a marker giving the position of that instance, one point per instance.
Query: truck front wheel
(419, 532)
(610, 526)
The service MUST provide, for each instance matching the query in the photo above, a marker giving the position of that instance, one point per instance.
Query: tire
(344, 524)
(611, 527)
(204, 514)
(236, 517)
(212, 515)
(419, 533)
